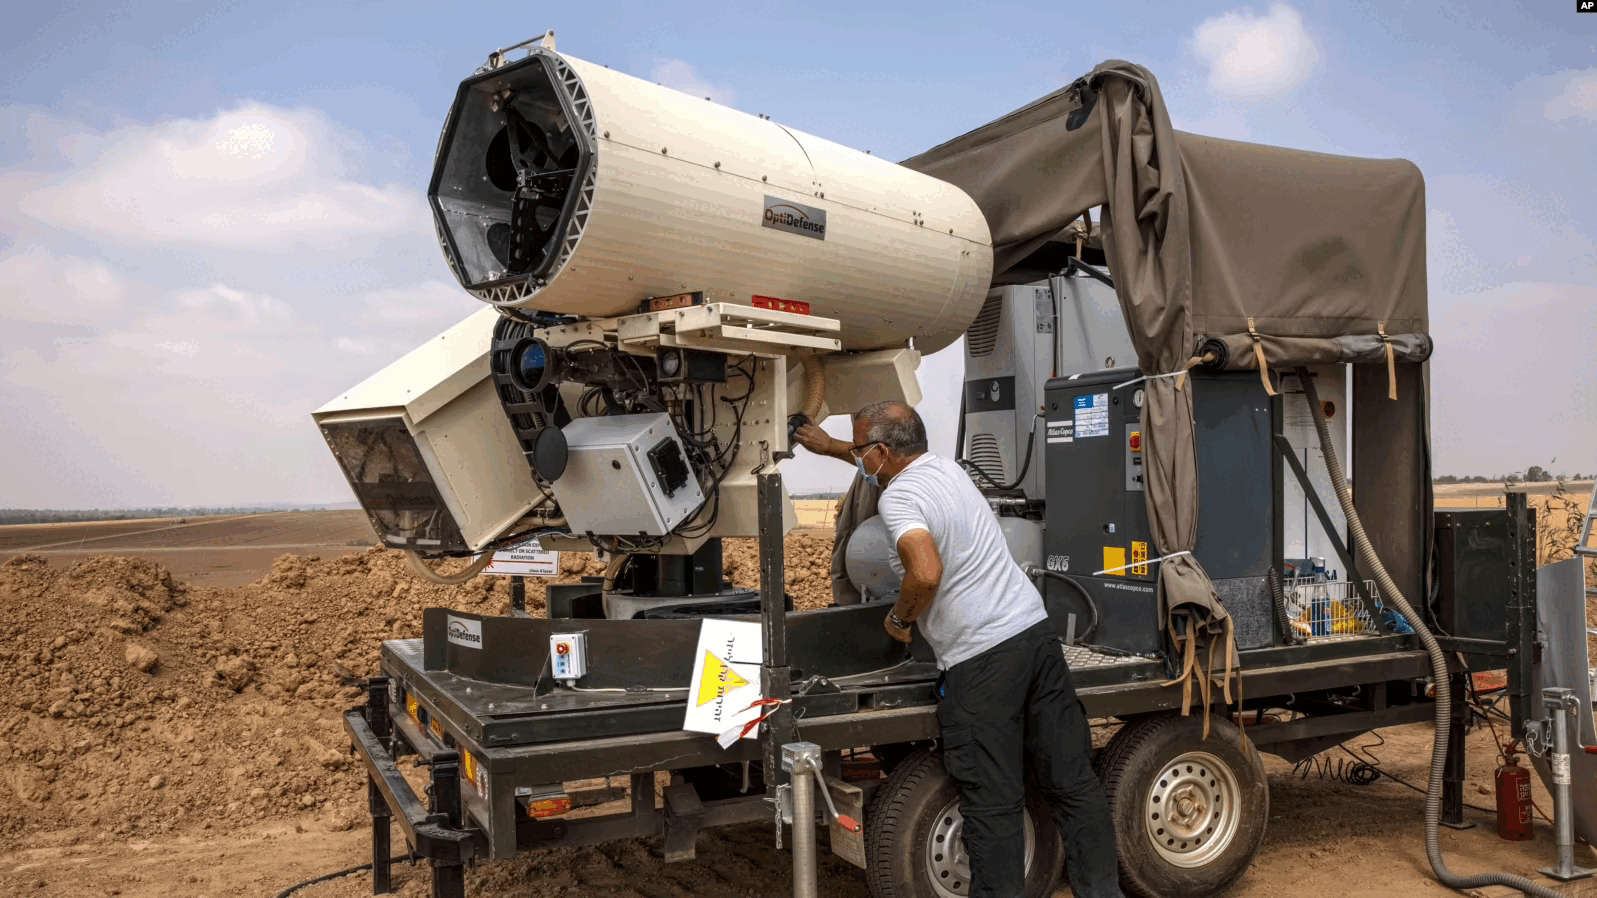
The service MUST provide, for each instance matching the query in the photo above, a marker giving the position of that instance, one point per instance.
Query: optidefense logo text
(794, 218)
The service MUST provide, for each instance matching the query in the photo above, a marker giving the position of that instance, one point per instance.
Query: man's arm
(923, 574)
(820, 442)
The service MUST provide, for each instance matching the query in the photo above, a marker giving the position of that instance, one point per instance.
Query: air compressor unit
(1097, 536)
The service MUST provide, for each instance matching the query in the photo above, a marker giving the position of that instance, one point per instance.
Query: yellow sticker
(1114, 557)
(1139, 559)
(718, 679)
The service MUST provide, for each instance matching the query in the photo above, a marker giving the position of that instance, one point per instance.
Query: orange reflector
(1136, 441)
(549, 807)
(677, 301)
(413, 709)
(474, 773)
(782, 305)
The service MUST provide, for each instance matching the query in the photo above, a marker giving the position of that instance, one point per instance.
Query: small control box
(568, 655)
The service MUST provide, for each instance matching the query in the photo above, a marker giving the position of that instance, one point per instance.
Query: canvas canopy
(1277, 257)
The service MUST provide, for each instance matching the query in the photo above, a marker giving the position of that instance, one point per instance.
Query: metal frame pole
(775, 677)
(803, 761)
(1560, 704)
(377, 719)
(1455, 773)
(449, 877)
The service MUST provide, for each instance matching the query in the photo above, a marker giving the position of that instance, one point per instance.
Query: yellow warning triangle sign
(717, 679)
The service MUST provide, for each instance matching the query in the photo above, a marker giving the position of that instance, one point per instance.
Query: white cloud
(174, 310)
(1253, 57)
(40, 286)
(1579, 99)
(679, 75)
(255, 177)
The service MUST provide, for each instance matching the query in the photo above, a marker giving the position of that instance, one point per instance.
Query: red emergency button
(1136, 441)
(562, 648)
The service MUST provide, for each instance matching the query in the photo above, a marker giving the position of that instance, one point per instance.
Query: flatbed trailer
(502, 742)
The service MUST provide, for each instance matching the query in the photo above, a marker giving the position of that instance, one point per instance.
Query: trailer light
(549, 807)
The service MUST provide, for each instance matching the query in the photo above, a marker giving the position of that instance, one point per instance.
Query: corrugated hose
(1444, 696)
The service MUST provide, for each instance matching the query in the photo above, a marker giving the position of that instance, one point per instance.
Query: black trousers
(1008, 709)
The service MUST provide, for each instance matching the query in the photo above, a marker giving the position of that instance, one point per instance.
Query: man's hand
(820, 442)
(902, 634)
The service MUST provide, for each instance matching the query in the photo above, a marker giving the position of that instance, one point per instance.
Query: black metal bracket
(435, 834)
(1283, 448)
(1489, 647)
(1076, 265)
(1521, 613)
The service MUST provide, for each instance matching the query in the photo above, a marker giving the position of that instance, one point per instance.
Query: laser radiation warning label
(726, 674)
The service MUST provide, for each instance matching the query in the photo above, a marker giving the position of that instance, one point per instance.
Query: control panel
(568, 656)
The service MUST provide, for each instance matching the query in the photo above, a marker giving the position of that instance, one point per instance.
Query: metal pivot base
(1573, 873)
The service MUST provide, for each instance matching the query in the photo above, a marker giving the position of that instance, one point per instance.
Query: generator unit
(1022, 336)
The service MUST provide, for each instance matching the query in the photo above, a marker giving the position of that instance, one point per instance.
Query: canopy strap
(1264, 366)
(1084, 233)
(1202, 668)
(1391, 361)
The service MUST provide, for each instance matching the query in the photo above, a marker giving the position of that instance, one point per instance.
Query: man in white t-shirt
(1006, 702)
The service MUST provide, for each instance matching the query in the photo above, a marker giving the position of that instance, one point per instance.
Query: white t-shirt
(984, 597)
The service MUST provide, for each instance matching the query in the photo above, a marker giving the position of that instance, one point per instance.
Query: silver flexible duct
(420, 569)
(1444, 697)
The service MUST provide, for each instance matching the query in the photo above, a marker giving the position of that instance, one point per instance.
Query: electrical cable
(1444, 696)
(1025, 466)
(286, 893)
(1092, 604)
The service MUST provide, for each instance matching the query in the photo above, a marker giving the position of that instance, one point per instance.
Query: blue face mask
(869, 478)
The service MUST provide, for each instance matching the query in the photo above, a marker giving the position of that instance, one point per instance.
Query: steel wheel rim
(947, 863)
(1192, 809)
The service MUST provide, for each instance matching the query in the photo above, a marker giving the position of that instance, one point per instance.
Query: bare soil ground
(218, 767)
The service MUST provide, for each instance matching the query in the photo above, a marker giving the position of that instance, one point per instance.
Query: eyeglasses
(858, 450)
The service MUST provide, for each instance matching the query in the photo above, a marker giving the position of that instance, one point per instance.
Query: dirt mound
(133, 703)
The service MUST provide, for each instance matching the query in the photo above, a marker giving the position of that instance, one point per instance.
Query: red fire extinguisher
(1513, 801)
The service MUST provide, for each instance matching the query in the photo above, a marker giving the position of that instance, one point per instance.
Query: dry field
(220, 770)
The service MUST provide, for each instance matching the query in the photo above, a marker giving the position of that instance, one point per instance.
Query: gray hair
(895, 424)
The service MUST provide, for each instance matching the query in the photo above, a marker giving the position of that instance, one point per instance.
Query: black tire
(914, 806)
(1219, 788)
(894, 754)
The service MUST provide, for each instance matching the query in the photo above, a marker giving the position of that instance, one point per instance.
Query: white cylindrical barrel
(676, 194)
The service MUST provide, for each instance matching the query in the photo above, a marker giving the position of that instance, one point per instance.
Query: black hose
(1439, 672)
(1025, 466)
(1092, 604)
(325, 877)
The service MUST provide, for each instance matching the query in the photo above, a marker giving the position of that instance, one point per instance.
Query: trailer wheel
(914, 837)
(1189, 812)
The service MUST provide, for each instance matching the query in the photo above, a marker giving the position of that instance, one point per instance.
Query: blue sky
(211, 216)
